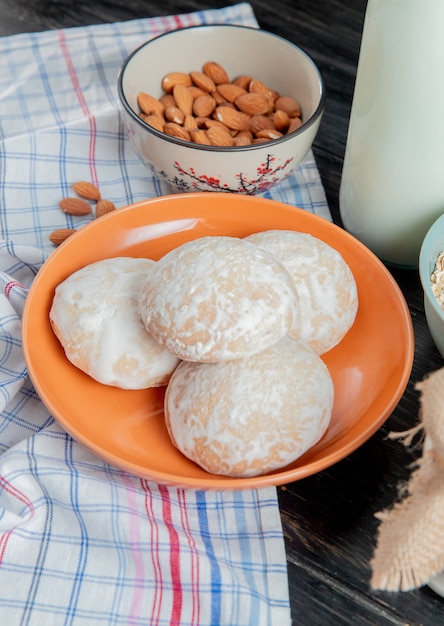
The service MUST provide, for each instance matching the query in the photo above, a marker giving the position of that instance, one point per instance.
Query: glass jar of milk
(392, 186)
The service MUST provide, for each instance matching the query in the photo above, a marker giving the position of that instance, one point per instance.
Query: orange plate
(370, 367)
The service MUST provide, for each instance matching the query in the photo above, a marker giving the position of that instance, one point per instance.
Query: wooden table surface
(329, 519)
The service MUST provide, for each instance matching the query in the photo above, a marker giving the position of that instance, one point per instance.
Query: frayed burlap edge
(410, 539)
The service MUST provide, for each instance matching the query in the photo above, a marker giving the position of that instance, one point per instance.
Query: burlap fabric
(410, 540)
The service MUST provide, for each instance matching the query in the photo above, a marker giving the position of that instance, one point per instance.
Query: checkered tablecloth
(81, 542)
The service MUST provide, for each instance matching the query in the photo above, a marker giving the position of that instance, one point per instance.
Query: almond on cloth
(86, 190)
(60, 235)
(104, 206)
(75, 206)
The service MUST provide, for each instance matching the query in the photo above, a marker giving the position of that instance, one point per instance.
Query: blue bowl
(432, 246)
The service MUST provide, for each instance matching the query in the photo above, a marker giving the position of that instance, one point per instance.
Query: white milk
(392, 186)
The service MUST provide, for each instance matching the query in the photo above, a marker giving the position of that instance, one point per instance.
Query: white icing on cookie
(94, 315)
(218, 298)
(250, 416)
(328, 295)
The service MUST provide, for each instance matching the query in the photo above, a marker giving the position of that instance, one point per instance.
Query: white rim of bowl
(311, 120)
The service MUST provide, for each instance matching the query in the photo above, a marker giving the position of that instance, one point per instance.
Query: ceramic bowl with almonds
(221, 107)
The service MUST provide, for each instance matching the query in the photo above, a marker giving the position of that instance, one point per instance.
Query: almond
(236, 120)
(253, 103)
(290, 105)
(149, 105)
(174, 114)
(281, 120)
(242, 81)
(203, 81)
(155, 121)
(175, 130)
(220, 136)
(75, 206)
(218, 97)
(243, 138)
(167, 100)
(257, 86)
(230, 92)
(190, 122)
(216, 72)
(274, 95)
(175, 78)
(60, 235)
(268, 133)
(203, 106)
(86, 190)
(200, 136)
(225, 103)
(104, 206)
(295, 123)
(184, 99)
(260, 140)
(239, 112)
(209, 123)
(201, 122)
(259, 122)
(197, 91)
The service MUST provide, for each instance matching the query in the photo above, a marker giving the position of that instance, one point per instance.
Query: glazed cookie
(250, 416)
(218, 298)
(94, 315)
(328, 295)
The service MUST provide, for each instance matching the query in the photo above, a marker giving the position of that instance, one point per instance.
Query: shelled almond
(103, 207)
(81, 206)
(206, 107)
(75, 206)
(60, 235)
(86, 190)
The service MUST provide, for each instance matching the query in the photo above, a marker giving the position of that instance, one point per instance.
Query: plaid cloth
(80, 541)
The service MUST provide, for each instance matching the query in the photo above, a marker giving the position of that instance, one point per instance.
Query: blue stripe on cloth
(247, 557)
(83, 539)
(43, 539)
(215, 575)
(116, 535)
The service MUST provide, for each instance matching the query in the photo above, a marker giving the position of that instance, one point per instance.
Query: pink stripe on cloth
(154, 554)
(83, 104)
(7, 488)
(194, 558)
(135, 543)
(175, 569)
(12, 284)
